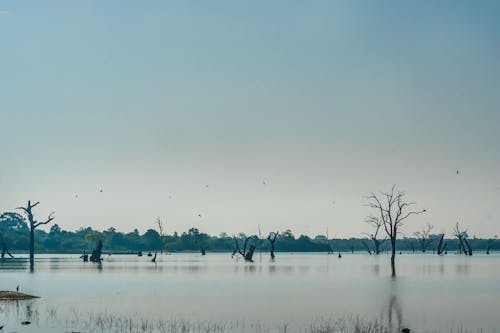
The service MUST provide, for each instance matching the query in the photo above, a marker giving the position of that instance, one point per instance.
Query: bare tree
(394, 210)
(423, 237)
(159, 223)
(272, 239)
(33, 225)
(247, 255)
(328, 243)
(377, 223)
(462, 235)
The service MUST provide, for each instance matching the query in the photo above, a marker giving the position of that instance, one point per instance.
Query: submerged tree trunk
(393, 256)
(272, 239)
(249, 254)
(468, 248)
(96, 254)
(5, 250)
(441, 246)
(32, 246)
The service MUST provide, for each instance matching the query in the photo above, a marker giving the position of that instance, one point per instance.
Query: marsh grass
(105, 322)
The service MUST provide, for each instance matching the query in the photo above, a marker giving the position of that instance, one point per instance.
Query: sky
(278, 114)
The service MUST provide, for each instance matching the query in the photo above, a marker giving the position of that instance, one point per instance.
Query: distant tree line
(14, 235)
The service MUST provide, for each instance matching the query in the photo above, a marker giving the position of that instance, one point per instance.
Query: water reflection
(395, 308)
(186, 285)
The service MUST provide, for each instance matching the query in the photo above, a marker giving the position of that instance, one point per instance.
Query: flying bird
(458, 172)
(100, 190)
(199, 215)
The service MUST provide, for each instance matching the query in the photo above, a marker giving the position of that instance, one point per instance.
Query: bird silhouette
(199, 215)
(458, 172)
(405, 330)
(100, 190)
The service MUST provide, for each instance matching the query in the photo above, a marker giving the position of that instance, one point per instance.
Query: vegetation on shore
(14, 232)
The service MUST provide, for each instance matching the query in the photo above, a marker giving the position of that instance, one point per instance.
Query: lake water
(429, 293)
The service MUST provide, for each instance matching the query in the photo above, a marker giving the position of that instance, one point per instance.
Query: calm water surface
(429, 293)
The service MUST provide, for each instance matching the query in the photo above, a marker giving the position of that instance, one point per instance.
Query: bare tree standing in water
(33, 225)
(159, 222)
(423, 237)
(394, 210)
(377, 223)
(462, 236)
(272, 239)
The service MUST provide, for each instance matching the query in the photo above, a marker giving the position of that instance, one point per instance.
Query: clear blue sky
(324, 101)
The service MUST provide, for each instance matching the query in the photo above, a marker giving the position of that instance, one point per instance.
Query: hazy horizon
(278, 114)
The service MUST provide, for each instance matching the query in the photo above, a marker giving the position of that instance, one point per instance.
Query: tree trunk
(96, 254)
(32, 246)
(440, 248)
(5, 250)
(249, 254)
(468, 248)
(377, 245)
(393, 256)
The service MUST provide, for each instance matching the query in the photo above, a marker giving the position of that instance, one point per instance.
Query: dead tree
(96, 254)
(33, 224)
(5, 250)
(160, 229)
(328, 244)
(247, 255)
(423, 237)
(377, 223)
(393, 210)
(464, 245)
(272, 239)
(441, 245)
